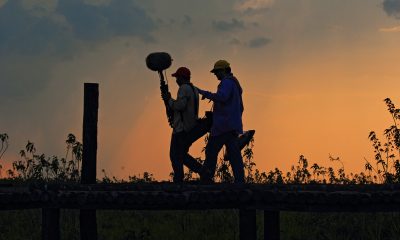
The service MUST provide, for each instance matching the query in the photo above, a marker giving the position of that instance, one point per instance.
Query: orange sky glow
(314, 75)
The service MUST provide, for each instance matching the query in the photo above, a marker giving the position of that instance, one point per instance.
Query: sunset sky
(314, 74)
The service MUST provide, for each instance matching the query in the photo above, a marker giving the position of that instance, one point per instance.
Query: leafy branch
(4, 144)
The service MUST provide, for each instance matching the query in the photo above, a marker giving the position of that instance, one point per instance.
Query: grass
(199, 225)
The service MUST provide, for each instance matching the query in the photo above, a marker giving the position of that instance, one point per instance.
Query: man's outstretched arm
(222, 94)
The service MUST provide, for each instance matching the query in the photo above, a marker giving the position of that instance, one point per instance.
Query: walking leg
(213, 147)
(192, 163)
(235, 158)
(176, 155)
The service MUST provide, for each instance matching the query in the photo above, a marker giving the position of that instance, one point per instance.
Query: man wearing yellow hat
(227, 123)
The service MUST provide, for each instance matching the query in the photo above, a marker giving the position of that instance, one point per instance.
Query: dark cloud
(99, 22)
(24, 33)
(392, 8)
(31, 43)
(57, 32)
(187, 20)
(235, 41)
(181, 22)
(253, 11)
(259, 42)
(226, 26)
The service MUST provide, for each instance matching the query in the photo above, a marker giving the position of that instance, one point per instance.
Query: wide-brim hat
(220, 64)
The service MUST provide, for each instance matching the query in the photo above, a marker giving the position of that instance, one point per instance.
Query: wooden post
(50, 223)
(247, 224)
(88, 224)
(271, 225)
(90, 116)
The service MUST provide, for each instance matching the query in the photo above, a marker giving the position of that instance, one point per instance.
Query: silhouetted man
(186, 108)
(227, 123)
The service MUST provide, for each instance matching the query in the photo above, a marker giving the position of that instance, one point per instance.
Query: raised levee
(160, 196)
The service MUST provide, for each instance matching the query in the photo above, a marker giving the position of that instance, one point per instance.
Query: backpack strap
(196, 102)
(239, 89)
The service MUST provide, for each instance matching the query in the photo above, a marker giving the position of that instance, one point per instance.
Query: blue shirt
(228, 106)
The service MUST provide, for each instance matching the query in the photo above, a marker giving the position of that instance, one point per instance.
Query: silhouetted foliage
(145, 178)
(387, 153)
(4, 144)
(37, 167)
(33, 166)
(3, 148)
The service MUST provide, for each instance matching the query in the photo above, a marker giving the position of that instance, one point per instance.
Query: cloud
(38, 27)
(36, 35)
(390, 29)
(235, 41)
(226, 26)
(97, 2)
(250, 6)
(2, 2)
(253, 43)
(187, 20)
(99, 22)
(25, 33)
(259, 42)
(392, 8)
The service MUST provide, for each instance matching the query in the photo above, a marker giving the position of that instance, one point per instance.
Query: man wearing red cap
(186, 109)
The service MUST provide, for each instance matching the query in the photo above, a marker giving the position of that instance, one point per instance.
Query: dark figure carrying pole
(182, 115)
(186, 127)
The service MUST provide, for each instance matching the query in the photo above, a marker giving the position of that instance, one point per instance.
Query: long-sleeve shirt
(228, 106)
(185, 106)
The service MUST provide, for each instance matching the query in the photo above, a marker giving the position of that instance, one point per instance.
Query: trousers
(214, 145)
(179, 155)
(180, 144)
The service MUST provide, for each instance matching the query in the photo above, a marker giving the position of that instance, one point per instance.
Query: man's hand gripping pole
(165, 95)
